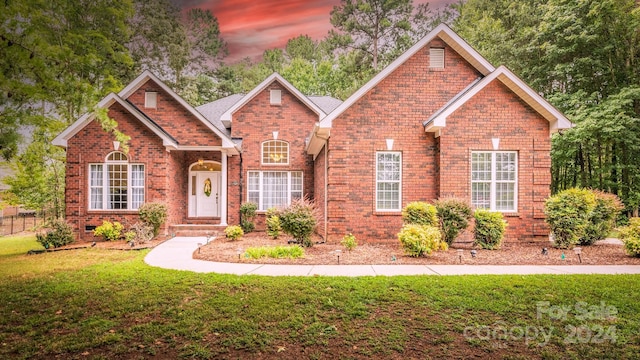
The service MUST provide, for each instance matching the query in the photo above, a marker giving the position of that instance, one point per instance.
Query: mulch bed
(224, 250)
(113, 245)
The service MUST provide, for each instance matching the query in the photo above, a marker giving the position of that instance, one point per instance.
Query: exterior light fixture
(338, 252)
(239, 252)
(459, 251)
(473, 253)
(199, 246)
(200, 162)
(578, 251)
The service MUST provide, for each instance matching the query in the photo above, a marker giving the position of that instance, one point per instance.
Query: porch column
(223, 185)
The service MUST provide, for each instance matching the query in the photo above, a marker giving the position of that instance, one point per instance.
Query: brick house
(439, 121)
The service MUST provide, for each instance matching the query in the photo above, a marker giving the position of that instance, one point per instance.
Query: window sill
(434, 69)
(388, 213)
(511, 214)
(114, 211)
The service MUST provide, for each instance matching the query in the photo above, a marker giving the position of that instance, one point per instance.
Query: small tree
(420, 213)
(154, 215)
(247, 215)
(489, 229)
(453, 215)
(299, 220)
(567, 214)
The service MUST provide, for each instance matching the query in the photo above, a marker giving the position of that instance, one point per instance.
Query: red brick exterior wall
(91, 145)
(495, 112)
(255, 123)
(394, 109)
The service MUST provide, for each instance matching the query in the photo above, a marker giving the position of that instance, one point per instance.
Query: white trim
(223, 189)
(227, 116)
(399, 153)
(148, 75)
(63, 138)
(556, 119)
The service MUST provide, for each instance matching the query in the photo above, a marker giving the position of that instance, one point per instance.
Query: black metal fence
(24, 221)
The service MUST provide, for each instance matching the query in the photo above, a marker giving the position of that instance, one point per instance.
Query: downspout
(326, 189)
(241, 191)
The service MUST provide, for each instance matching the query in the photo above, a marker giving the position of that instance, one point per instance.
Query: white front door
(207, 194)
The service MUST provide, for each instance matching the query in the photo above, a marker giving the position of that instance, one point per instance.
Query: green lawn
(101, 304)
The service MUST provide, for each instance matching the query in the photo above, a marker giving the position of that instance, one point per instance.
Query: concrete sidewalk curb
(177, 254)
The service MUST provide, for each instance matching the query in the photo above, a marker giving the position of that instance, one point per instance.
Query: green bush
(489, 229)
(630, 236)
(274, 228)
(276, 252)
(567, 214)
(602, 218)
(110, 231)
(418, 240)
(247, 215)
(299, 220)
(60, 233)
(453, 215)
(154, 215)
(233, 232)
(349, 242)
(420, 213)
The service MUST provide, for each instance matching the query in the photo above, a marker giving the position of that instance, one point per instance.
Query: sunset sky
(251, 26)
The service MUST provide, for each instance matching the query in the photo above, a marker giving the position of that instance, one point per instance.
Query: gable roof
(148, 75)
(214, 110)
(84, 120)
(443, 32)
(227, 115)
(556, 119)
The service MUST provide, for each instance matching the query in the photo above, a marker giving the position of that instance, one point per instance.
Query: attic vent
(150, 100)
(276, 97)
(436, 58)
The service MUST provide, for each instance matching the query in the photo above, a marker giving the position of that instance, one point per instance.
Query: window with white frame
(275, 152)
(494, 175)
(388, 180)
(116, 184)
(274, 188)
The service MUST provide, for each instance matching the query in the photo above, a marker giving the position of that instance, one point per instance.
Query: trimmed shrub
(299, 220)
(420, 213)
(154, 215)
(349, 242)
(247, 215)
(60, 233)
(233, 232)
(602, 218)
(630, 236)
(142, 232)
(418, 240)
(489, 229)
(275, 252)
(274, 228)
(453, 215)
(567, 214)
(110, 231)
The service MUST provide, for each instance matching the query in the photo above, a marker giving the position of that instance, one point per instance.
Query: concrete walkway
(177, 254)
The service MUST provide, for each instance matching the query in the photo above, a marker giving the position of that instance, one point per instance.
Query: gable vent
(150, 100)
(276, 97)
(436, 58)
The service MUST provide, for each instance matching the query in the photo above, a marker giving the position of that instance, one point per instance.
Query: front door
(207, 194)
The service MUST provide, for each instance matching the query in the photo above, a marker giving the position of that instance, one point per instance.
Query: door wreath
(207, 187)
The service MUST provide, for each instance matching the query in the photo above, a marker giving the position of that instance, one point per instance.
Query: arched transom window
(275, 152)
(116, 184)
